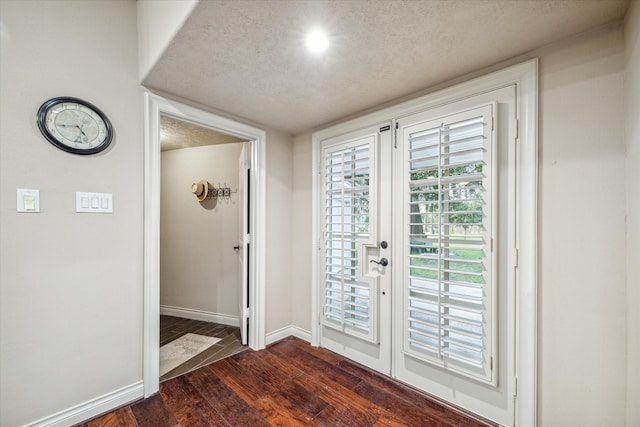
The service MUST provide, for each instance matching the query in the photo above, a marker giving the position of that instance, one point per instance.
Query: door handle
(236, 248)
(383, 262)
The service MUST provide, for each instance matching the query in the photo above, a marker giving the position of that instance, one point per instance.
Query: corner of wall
(632, 174)
(158, 24)
(279, 234)
(301, 226)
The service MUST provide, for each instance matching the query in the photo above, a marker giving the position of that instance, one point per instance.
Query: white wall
(632, 139)
(279, 230)
(199, 270)
(582, 306)
(70, 284)
(158, 22)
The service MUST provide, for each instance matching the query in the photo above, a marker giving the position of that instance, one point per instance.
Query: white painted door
(244, 239)
(355, 246)
(454, 199)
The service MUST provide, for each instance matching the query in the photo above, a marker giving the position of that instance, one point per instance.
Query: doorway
(253, 244)
(428, 235)
(202, 250)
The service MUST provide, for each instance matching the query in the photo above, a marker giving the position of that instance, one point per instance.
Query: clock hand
(82, 138)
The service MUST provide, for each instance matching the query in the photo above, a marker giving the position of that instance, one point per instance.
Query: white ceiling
(247, 57)
(176, 134)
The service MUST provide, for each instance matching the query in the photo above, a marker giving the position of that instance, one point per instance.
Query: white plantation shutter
(347, 178)
(448, 254)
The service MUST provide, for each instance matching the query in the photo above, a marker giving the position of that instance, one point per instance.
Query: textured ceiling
(247, 58)
(176, 134)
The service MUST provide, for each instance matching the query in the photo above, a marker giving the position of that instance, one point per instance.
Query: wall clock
(74, 125)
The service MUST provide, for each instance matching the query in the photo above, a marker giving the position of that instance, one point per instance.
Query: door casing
(524, 77)
(155, 105)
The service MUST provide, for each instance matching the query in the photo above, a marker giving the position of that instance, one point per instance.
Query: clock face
(74, 125)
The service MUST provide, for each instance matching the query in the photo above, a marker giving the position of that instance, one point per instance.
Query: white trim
(257, 279)
(206, 316)
(286, 332)
(154, 106)
(525, 77)
(151, 260)
(316, 222)
(527, 244)
(93, 407)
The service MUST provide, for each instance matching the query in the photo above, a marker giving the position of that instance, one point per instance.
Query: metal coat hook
(205, 190)
(220, 192)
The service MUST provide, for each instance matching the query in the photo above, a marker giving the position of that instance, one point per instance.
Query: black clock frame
(42, 117)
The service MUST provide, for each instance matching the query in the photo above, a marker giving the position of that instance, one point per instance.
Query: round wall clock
(74, 125)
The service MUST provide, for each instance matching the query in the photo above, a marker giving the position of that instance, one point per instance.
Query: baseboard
(93, 407)
(188, 313)
(288, 331)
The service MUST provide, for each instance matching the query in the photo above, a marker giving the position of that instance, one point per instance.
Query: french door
(417, 236)
(355, 251)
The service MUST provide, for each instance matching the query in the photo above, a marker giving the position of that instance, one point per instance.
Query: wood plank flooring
(288, 384)
(172, 328)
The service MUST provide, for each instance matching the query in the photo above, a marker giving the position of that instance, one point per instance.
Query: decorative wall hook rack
(204, 190)
(220, 192)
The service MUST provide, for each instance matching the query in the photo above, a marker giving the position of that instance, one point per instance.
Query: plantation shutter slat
(448, 231)
(348, 299)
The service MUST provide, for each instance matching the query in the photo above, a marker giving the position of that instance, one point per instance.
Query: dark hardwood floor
(288, 384)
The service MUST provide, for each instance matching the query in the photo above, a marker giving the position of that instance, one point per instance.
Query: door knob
(383, 262)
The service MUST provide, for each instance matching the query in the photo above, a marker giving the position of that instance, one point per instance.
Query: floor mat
(182, 349)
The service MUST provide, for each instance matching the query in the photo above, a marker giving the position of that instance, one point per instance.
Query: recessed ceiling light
(317, 42)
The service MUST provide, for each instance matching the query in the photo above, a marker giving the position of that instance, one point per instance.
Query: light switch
(28, 200)
(94, 202)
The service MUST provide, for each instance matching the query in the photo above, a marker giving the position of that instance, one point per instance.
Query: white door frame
(155, 106)
(525, 77)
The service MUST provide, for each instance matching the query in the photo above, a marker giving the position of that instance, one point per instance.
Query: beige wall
(199, 270)
(70, 284)
(301, 226)
(279, 230)
(632, 139)
(582, 314)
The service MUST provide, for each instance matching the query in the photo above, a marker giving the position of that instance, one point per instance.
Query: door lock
(383, 262)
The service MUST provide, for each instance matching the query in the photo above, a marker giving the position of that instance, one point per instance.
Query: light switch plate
(28, 200)
(94, 202)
